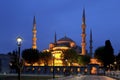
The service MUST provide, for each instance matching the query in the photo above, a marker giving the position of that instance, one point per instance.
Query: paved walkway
(79, 77)
(86, 77)
(114, 74)
(93, 77)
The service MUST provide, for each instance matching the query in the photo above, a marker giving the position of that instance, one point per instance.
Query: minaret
(91, 53)
(34, 38)
(83, 43)
(55, 39)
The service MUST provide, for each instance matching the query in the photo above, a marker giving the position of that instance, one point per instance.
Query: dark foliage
(45, 57)
(30, 55)
(118, 57)
(70, 55)
(109, 53)
(99, 53)
(118, 60)
(83, 60)
(105, 54)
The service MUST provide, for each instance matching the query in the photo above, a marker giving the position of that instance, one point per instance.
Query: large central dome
(65, 38)
(66, 41)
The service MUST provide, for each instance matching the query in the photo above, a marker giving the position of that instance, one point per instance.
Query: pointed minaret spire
(83, 43)
(55, 39)
(34, 21)
(83, 16)
(34, 39)
(65, 36)
(91, 53)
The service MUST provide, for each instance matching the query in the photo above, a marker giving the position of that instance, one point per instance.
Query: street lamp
(115, 65)
(53, 66)
(19, 42)
(66, 62)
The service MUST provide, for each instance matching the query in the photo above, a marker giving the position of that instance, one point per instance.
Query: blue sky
(60, 16)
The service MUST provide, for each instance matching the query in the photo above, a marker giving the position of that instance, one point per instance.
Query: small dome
(65, 38)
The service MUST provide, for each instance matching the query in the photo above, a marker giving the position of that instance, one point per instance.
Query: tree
(83, 60)
(105, 54)
(117, 59)
(99, 53)
(108, 53)
(70, 55)
(30, 55)
(45, 57)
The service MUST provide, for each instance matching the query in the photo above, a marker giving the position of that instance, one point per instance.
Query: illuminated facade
(56, 49)
(59, 45)
(95, 61)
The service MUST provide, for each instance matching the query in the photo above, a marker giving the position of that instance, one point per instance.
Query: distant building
(4, 63)
(65, 43)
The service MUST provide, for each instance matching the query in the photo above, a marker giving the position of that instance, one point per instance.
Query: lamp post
(66, 62)
(19, 41)
(115, 65)
(53, 66)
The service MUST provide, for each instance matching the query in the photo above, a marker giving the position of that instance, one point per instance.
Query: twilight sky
(60, 16)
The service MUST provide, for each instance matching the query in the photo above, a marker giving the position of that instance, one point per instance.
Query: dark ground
(25, 78)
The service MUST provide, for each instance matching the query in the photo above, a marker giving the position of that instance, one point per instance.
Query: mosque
(65, 43)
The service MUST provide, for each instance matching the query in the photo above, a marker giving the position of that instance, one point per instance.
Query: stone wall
(58, 70)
